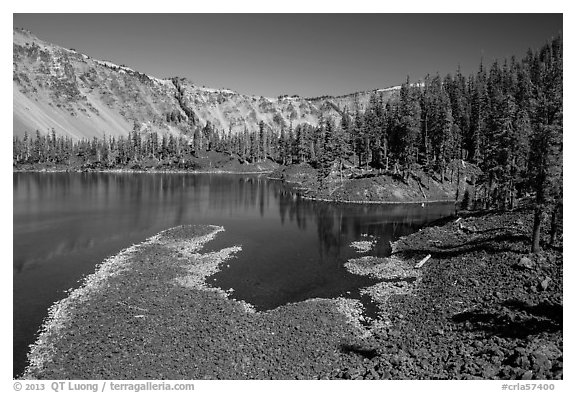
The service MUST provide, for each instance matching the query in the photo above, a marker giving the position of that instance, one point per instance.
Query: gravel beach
(146, 314)
(480, 308)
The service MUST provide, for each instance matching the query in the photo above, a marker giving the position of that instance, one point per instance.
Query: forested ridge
(506, 119)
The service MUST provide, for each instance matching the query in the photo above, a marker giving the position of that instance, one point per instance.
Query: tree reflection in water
(299, 267)
(292, 249)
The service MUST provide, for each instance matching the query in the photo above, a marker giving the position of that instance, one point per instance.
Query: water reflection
(307, 255)
(70, 212)
(292, 249)
(61, 214)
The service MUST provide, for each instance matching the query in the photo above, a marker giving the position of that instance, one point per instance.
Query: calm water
(292, 249)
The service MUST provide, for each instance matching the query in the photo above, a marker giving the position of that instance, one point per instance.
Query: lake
(292, 249)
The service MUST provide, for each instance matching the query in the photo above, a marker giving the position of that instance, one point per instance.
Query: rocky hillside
(82, 97)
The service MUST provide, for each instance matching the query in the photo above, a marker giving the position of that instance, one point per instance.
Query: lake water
(292, 249)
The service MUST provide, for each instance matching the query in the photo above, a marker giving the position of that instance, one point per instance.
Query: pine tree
(426, 105)
(341, 145)
(479, 109)
(409, 126)
(375, 137)
(546, 152)
(282, 146)
(358, 142)
(290, 144)
(326, 150)
(263, 141)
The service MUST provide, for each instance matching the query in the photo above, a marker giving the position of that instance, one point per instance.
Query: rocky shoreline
(473, 311)
(367, 187)
(177, 171)
(481, 307)
(308, 194)
(417, 201)
(147, 314)
(304, 187)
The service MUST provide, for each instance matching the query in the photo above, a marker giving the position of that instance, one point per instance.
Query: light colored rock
(544, 284)
(526, 263)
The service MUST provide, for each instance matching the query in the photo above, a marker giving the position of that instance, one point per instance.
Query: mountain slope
(81, 97)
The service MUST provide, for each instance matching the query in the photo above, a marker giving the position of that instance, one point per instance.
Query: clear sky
(305, 54)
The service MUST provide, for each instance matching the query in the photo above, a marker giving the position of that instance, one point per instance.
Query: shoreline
(61, 312)
(129, 171)
(149, 315)
(300, 189)
(224, 172)
(150, 301)
(417, 202)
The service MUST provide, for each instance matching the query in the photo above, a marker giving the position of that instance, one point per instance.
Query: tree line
(506, 118)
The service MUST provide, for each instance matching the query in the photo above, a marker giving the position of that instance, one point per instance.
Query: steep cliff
(76, 95)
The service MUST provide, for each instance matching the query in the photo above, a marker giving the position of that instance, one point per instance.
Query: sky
(305, 54)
